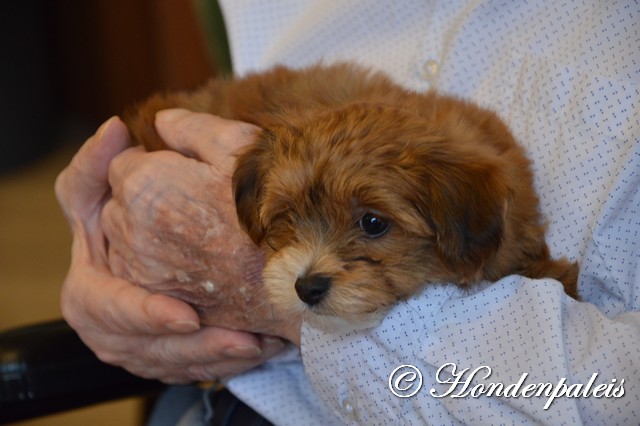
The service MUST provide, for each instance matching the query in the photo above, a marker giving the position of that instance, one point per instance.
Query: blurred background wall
(66, 66)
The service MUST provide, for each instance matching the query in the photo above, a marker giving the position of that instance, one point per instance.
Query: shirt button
(430, 70)
(349, 408)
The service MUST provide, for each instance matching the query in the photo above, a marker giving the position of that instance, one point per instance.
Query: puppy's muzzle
(313, 288)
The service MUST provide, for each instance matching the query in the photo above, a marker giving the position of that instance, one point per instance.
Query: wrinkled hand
(152, 335)
(172, 225)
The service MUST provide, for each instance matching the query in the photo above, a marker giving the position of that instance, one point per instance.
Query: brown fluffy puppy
(361, 192)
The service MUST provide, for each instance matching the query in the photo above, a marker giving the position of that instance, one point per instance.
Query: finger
(221, 370)
(134, 170)
(232, 366)
(82, 186)
(206, 346)
(181, 373)
(208, 354)
(204, 355)
(203, 136)
(145, 312)
(110, 304)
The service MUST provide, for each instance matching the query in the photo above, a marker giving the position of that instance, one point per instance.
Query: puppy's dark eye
(373, 225)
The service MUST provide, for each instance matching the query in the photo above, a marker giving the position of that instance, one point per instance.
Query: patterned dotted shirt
(565, 76)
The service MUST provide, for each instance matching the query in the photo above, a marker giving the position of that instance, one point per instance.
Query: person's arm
(515, 327)
(151, 335)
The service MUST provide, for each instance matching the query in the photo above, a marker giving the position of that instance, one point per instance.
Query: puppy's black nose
(312, 289)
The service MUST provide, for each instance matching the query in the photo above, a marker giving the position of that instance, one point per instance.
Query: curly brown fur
(345, 151)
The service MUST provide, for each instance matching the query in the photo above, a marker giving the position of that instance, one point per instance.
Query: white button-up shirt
(565, 76)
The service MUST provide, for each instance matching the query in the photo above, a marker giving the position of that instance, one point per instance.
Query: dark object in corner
(46, 369)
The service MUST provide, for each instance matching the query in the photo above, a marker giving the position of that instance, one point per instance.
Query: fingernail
(250, 351)
(103, 128)
(170, 115)
(182, 326)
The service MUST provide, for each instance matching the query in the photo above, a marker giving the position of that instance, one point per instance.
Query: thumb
(83, 185)
(206, 137)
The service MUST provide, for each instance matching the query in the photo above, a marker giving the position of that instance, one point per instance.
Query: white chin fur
(280, 275)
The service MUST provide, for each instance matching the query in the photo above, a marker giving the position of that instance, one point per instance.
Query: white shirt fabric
(565, 76)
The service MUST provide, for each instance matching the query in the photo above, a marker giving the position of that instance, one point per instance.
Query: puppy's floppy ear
(248, 185)
(465, 205)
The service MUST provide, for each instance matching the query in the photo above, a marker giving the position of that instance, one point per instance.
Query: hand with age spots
(172, 224)
(137, 327)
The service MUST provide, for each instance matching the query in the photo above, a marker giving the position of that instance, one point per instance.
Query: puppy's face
(359, 208)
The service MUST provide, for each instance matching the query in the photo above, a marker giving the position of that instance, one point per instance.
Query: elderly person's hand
(152, 335)
(172, 226)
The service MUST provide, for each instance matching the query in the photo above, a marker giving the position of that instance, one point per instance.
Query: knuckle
(130, 175)
(133, 184)
(121, 165)
(107, 218)
(140, 187)
(114, 225)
